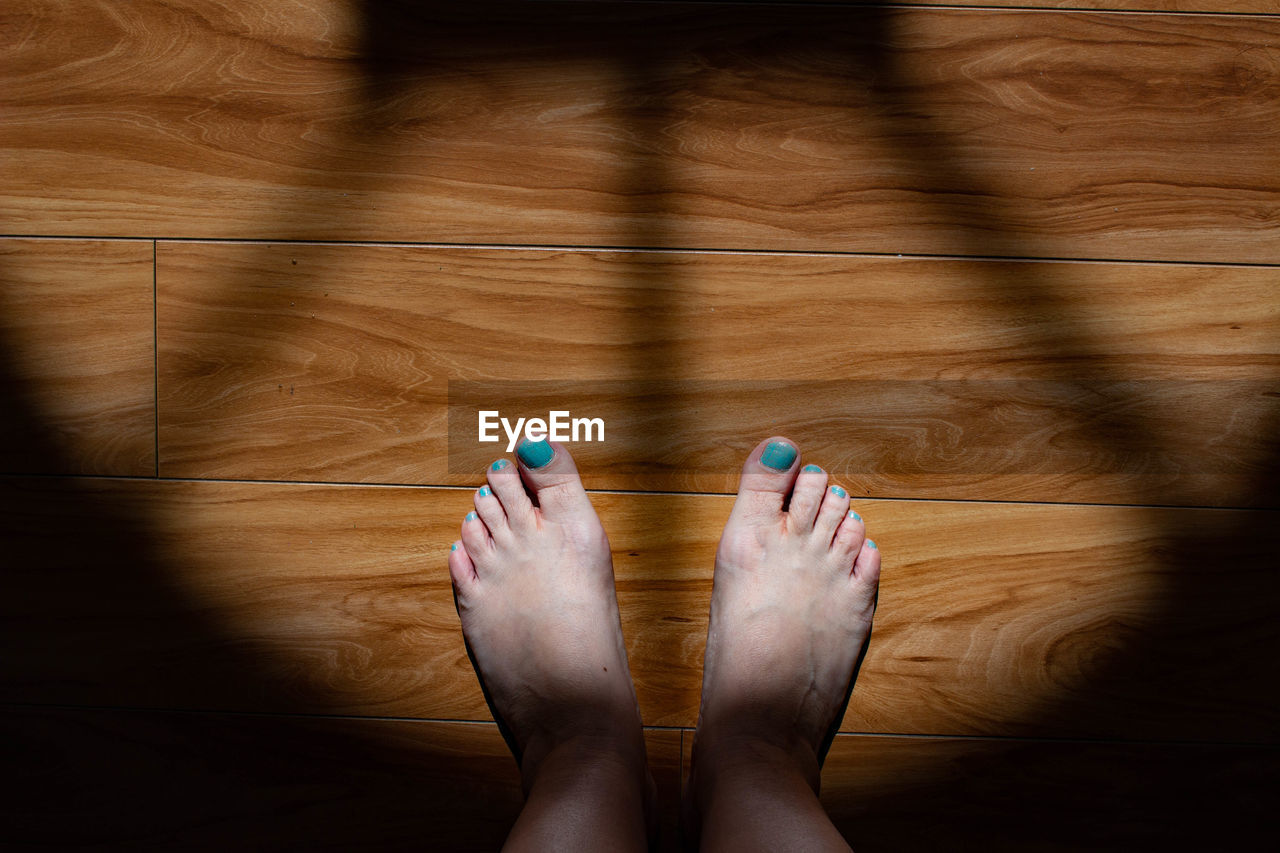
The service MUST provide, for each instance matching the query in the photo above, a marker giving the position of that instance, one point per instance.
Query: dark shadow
(114, 779)
(1211, 650)
(77, 556)
(1200, 667)
(82, 562)
(90, 598)
(1197, 668)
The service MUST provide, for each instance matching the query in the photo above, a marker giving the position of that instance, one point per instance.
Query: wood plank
(1018, 133)
(1006, 619)
(905, 377)
(926, 794)
(77, 357)
(115, 779)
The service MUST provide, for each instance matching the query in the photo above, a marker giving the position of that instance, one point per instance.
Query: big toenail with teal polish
(778, 456)
(839, 492)
(471, 516)
(499, 465)
(453, 547)
(813, 468)
(535, 454)
(871, 544)
(484, 491)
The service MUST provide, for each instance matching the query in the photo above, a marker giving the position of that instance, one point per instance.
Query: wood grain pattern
(1028, 134)
(913, 378)
(927, 794)
(77, 357)
(158, 637)
(116, 779)
(994, 618)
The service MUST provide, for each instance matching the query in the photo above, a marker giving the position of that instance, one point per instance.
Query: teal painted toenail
(535, 454)
(453, 547)
(484, 491)
(839, 492)
(871, 544)
(499, 465)
(813, 468)
(778, 456)
(471, 516)
(854, 516)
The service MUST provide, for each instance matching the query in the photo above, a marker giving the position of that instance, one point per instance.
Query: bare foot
(535, 593)
(791, 610)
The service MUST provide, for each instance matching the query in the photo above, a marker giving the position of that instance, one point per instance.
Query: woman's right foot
(791, 609)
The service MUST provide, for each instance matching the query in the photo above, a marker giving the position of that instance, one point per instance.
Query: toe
(548, 470)
(811, 482)
(461, 570)
(508, 488)
(475, 536)
(835, 505)
(866, 569)
(767, 477)
(491, 512)
(849, 536)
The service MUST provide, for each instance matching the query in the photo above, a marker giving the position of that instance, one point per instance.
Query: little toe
(767, 477)
(835, 504)
(461, 570)
(549, 471)
(806, 497)
(491, 512)
(866, 569)
(508, 488)
(849, 536)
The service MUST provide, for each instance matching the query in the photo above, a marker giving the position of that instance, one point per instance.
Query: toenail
(499, 465)
(854, 516)
(484, 491)
(778, 455)
(872, 544)
(839, 492)
(471, 516)
(453, 547)
(813, 468)
(535, 454)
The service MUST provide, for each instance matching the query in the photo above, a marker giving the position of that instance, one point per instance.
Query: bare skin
(535, 593)
(791, 610)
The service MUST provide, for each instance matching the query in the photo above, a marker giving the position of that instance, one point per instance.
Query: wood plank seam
(453, 487)
(684, 731)
(587, 248)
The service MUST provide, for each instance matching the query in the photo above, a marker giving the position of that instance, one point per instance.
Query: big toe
(549, 472)
(767, 477)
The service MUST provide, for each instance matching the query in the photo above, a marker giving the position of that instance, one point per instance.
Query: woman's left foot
(535, 593)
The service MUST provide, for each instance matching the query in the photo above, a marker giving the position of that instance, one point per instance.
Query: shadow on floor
(104, 776)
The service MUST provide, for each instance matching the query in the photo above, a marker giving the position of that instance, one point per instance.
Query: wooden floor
(1011, 274)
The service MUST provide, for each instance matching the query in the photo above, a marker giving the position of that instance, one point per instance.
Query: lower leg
(754, 794)
(586, 793)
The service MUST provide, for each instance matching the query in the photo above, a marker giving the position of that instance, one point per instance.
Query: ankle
(590, 750)
(587, 787)
(747, 792)
(720, 757)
